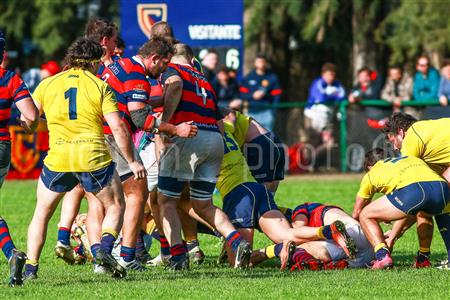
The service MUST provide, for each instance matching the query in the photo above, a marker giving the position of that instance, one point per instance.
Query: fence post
(343, 135)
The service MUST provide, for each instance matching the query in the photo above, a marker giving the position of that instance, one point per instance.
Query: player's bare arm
(360, 203)
(142, 117)
(173, 89)
(29, 118)
(123, 139)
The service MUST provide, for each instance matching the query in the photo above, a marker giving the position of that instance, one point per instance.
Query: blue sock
(94, 249)
(6, 242)
(234, 239)
(140, 246)
(107, 242)
(31, 268)
(278, 248)
(165, 247)
(443, 223)
(64, 235)
(127, 254)
(192, 244)
(326, 231)
(381, 253)
(178, 250)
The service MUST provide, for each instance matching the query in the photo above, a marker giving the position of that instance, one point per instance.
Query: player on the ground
(189, 96)
(318, 255)
(75, 103)
(249, 205)
(127, 78)
(105, 33)
(263, 150)
(12, 90)
(428, 140)
(411, 188)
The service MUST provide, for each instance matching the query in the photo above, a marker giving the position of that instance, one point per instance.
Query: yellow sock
(111, 232)
(270, 251)
(379, 246)
(32, 262)
(424, 250)
(320, 232)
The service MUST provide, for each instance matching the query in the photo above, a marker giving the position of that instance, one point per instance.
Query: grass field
(59, 281)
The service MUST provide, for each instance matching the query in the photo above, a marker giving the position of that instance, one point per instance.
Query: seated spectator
(426, 80)
(260, 87)
(209, 63)
(444, 87)
(368, 87)
(323, 92)
(398, 88)
(227, 90)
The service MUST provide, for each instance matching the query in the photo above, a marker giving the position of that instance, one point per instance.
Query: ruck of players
(143, 140)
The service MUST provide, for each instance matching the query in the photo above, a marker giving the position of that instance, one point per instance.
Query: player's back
(74, 103)
(395, 173)
(429, 140)
(234, 169)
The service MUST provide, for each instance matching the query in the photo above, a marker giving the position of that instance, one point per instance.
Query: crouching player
(411, 188)
(319, 255)
(250, 205)
(75, 103)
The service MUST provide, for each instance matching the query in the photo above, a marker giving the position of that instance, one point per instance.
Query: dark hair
(396, 67)
(446, 62)
(98, 28)
(184, 50)
(223, 68)
(161, 29)
(2, 45)
(328, 67)
(398, 121)
(261, 56)
(157, 46)
(372, 157)
(364, 69)
(83, 52)
(120, 42)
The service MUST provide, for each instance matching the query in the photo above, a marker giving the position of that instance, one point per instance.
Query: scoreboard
(202, 24)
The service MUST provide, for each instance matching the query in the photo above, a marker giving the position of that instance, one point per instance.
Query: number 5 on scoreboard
(71, 94)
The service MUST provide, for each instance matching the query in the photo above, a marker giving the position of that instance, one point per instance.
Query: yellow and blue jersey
(74, 103)
(234, 170)
(430, 141)
(241, 128)
(395, 173)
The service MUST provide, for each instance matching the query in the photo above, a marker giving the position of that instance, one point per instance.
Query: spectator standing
(261, 87)
(209, 63)
(227, 90)
(398, 89)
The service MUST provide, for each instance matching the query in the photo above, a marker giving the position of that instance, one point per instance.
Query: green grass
(208, 281)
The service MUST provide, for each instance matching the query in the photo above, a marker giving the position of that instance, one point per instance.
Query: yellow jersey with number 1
(395, 173)
(234, 169)
(74, 103)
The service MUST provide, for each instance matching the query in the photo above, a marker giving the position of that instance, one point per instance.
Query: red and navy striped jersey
(313, 211)
(156, 94)
(12, 89)
(127, 79)
(198, 100)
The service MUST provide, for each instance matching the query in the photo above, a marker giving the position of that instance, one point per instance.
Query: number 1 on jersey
(71, 94)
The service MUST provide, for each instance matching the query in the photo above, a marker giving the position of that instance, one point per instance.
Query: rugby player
(428, 140)
(12, 90)
(127, 78)
(318, 255)
(410, 188)
(263, 150)
(104, 32)
(75, 103)
(189, 96)
(249, 205)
